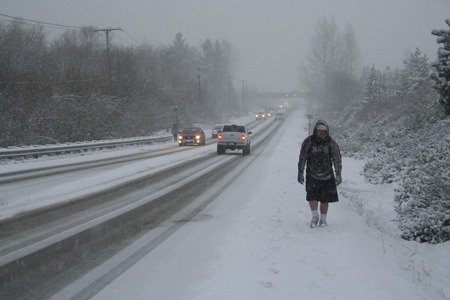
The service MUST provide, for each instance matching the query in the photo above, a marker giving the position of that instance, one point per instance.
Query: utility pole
(176, 114)
(228, 78)
(229, 92)
(310, 116)
(107, 31)
(243, 96)
(199, 74)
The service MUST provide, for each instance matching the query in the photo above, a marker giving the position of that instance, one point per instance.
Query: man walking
(320, 152)
(175, 130)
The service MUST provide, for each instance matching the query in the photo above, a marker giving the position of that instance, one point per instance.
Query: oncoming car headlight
(197, 137)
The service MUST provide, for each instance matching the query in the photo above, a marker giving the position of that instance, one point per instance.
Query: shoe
(323, 223)
(314, 221)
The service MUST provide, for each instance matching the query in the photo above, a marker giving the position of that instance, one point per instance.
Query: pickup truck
(234, 137)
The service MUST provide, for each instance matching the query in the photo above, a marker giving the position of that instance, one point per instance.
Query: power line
(126, 41)
(20, 20)
(132, 38)
(47, 82)
(41, 22)
(17, 21)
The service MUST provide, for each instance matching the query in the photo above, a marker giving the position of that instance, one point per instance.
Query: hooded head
(321, 125)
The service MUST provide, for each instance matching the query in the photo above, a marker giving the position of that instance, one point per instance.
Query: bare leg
(313, 205)
(315, 213)
(323, 214)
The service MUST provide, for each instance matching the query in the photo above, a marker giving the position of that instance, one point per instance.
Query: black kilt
(321, 190)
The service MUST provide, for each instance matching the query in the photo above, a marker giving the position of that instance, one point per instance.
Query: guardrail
(41, 150)
(38, 151)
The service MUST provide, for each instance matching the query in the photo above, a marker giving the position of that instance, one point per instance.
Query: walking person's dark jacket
(319, 156)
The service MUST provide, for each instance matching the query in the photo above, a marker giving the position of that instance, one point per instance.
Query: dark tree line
(395, 118)
(65, 89)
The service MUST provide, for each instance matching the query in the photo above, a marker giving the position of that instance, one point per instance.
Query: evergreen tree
(394, 82)
(416, 73)
(372, 89)
(442, 75)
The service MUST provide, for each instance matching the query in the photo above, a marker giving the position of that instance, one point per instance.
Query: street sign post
(309, 116)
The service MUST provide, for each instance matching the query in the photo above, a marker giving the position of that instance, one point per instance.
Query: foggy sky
(271, 36)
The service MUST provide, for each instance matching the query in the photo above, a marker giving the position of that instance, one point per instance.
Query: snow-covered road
(252, 242)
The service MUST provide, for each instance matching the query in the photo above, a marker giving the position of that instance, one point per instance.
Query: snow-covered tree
(349, 51)
(321, 62)
(416, 74)
(442, 65)
(219, 61)
(369, 104)
(372, 89)
(327, 74)
(59, 90)
(394, 81)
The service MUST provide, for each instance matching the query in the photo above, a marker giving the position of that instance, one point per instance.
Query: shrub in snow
(420, 163)
(424, 203)
(406, 140)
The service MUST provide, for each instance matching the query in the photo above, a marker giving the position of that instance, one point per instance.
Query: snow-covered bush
(419, 162)
(403, 132)
(424, 203)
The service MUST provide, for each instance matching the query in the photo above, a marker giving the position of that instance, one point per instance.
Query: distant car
(268, 113)
(191, 136)
(216, 130)
(260, 116)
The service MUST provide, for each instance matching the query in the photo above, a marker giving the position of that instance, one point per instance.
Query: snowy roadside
(427, 265)
(252, 242)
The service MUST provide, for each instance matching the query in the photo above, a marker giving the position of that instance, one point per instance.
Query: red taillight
(243, 137)
(219, 137)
